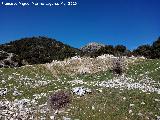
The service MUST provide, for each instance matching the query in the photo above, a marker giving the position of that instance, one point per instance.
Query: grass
(151, 68)
(102, 104)
(110, 104)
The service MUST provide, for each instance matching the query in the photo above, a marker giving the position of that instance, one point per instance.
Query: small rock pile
(81, 91)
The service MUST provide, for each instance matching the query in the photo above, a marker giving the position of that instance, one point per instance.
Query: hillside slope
(91, 47)
(38, 50)
(24, 93)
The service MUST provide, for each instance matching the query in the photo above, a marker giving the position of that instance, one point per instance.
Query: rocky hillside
(92, 47)
(39, 50)
(9, 60)
(96, 49)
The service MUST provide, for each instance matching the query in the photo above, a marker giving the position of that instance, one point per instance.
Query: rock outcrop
(9, 60)
(92, 47)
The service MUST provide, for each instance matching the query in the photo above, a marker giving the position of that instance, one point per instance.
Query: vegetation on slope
(111, 97)
(39, 50)
(149, 51)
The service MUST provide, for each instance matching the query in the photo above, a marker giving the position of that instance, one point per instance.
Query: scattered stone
(131, 105)
(130, 111)
(124, 98)
(145, 85)
(3, 91)
(140, 114)
(157, 100)
(66, 118)
(93, 108)
(52, 117)
(81, 91)
(16, 93)
(158, 117)
(143, 103)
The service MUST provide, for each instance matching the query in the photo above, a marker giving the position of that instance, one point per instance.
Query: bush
(118, 67)
(156, 49)
(59, 100)
(119, 50)
(143, 50)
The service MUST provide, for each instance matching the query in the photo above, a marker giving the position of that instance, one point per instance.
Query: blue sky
(127, 22)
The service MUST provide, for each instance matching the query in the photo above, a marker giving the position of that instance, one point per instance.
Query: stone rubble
(81, 91)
